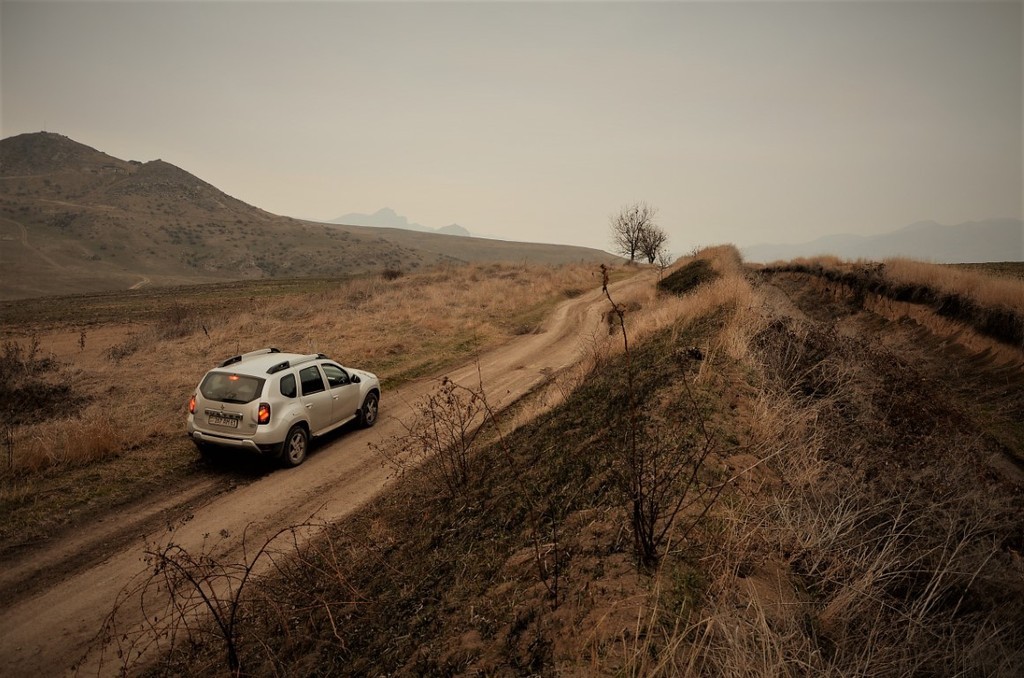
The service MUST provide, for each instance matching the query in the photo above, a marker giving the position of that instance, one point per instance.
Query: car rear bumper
(200, 437)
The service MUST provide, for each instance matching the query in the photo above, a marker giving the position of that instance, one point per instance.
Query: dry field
(96, 387)
(869, 523)
(804, 470)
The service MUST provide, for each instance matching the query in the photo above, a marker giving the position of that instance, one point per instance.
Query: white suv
(273, 403)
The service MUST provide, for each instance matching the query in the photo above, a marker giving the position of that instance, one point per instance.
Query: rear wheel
(295, 446)
(368, 412)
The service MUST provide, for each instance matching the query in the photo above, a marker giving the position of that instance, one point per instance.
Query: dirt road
(47, 633)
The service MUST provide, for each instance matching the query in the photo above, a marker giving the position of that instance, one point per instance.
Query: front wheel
(368, 412)
(295, 445)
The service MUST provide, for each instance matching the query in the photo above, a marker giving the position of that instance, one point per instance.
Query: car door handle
(334, 397)
(309, 406)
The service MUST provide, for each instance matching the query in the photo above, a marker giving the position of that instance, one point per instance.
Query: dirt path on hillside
(141, 283)
(48, 632)
(33, 251)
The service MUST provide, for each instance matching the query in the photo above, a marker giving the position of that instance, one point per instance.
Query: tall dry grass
(992, 305)
(815, 570)
(135, 390)
(986, 290)
(654, 311)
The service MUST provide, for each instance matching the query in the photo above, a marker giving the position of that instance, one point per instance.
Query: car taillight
(263, 414)
(192, 404)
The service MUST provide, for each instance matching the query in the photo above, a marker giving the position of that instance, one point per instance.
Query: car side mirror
(356, 379)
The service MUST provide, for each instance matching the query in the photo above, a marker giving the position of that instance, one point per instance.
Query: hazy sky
(743, 122)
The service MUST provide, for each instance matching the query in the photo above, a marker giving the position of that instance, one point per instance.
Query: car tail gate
(228, 387)
(223, 419)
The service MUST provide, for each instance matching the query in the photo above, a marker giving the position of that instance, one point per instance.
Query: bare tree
(628, 227)
(652, 242)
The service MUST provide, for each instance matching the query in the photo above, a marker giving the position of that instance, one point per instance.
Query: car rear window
(288, 386)
(231, 388)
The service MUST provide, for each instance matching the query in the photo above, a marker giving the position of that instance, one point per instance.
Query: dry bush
(33, 387)
(663, 466)
(190, 597)
(441, 438)
(65, 443)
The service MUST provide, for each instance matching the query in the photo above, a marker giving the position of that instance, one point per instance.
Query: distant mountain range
(388, 218)
(75, 220)
(971, 242)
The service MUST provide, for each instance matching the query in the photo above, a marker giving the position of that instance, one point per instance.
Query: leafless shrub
(33, 387)
(188, 596)
(440, 438)
(177, 321)
(664, 468)
(125, 349)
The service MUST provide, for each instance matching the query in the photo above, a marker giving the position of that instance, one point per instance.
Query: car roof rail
(239, 358)
(274, 369)
(284, 365)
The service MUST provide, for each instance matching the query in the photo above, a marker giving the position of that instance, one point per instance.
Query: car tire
(295, 447)
(370, 409)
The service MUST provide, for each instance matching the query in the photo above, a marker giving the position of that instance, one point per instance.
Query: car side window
(335, 375)
(311, 380)
(288, 386)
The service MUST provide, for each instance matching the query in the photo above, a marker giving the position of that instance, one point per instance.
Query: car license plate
(230, 422)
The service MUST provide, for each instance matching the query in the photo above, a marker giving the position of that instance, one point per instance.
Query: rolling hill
(388, 218)
(971, 242)
(75, 219)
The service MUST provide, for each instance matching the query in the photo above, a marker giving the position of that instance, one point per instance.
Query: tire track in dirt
(48, 632)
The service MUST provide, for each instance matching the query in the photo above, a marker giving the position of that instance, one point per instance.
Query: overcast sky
(742, 122)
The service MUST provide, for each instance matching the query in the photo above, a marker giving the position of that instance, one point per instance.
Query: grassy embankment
(861, 530)
(95, 387)
(990, 304)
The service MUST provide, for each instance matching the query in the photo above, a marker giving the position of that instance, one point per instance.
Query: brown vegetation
(102, 389)
(991, 305)
(869, 527)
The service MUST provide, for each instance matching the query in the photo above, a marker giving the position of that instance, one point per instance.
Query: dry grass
(863, 533)
(990, 304)
(399, 328)
(519, 569)
(837, 557)
(982, 288)
(655, 311)
(69, 442)
(975, 284)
